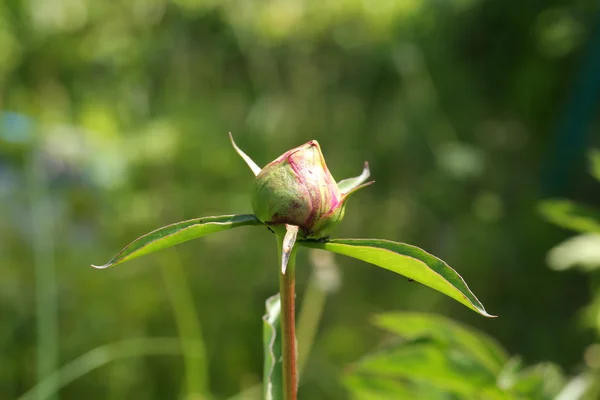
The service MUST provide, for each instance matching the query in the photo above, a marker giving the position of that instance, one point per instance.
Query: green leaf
(425, 367)
(570, 215)
(579, 251)
(179, 232)
(272, 368)
(582, 386)
(369, 387)
(407, 260)
(541, 381)
(436, 358)
(476, 344)
(594, 156)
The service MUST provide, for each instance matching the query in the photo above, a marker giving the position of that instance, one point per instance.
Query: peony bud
(298, 189)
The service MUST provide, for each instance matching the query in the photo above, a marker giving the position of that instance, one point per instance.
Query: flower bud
(298, 189)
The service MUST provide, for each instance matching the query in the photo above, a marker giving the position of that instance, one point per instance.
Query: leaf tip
(486, 314)
(101, 266)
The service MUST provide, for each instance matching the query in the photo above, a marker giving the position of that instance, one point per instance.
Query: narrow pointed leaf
(255, 168)
(407, 260)
(570, 215)
(347, 185)
(272, 367)
(179, 232)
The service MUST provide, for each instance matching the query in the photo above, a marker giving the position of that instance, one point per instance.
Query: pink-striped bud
(298, 189)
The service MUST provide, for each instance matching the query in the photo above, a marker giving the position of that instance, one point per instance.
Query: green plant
(426, 356)
(296, 197)
(581, 251)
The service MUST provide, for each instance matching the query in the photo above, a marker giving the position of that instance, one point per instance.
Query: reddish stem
(287, 291)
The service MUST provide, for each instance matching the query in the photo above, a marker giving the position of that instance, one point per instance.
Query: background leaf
(272, 368)
(179, 232)
(571, 215)
(478, 345)
(540, 381)
(429, 361)
(581, 250)
(432, 357)
(101, 356)
(407, 260)
(594, 157)
(370, 387)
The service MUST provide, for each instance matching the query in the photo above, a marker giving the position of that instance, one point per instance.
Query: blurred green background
(114, 118)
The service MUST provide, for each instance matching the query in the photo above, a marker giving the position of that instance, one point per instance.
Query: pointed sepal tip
(255, 168)
(350, 185)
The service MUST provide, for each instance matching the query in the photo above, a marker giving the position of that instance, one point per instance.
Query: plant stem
(287, 291)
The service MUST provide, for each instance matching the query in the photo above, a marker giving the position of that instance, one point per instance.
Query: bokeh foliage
(114, 120)
(431, 357)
